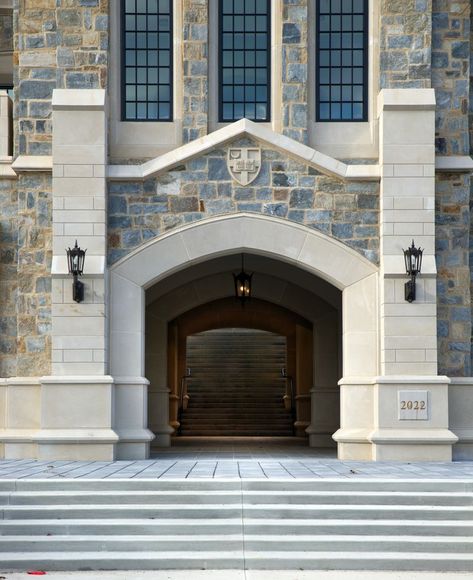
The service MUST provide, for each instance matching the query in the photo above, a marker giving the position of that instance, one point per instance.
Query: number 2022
(413, 405)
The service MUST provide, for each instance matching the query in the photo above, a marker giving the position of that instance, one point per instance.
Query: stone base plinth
(395, 418)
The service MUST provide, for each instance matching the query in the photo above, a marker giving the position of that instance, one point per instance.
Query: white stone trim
(94, 266)
(27, 381)
(135, 139)
(454, 163)
(334, 261)
(6, 171)
(130, 381)
(58, 436)
(275, 122)
(76, 380)
(245, 128)
(346, 139)
(6, 124)
(78, 99)
(406, 100)
(413, 437)
(33, 163)
(396, 379)
(9, 169)
(280, 239)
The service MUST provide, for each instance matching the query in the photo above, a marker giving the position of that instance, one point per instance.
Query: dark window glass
(342, 60)
(146, 60)
(244, 59)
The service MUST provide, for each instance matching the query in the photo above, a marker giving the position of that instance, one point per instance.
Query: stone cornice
(239, 129)
(454, 164)
(10, 169)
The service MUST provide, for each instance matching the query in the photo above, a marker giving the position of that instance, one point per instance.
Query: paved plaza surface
(246, 575)
(239, 458)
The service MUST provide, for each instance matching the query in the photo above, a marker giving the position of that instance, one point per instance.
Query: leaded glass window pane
(146, 60)
(245, 59)
(342, 60)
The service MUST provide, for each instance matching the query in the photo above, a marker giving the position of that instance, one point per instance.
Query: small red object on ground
(36, 572)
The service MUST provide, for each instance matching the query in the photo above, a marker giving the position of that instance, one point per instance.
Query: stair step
(254, 543)
(256, 527)
(218, 511)
(308, 498)
(225, 560)
(230, 524)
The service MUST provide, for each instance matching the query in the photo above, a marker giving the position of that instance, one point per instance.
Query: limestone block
(76, 403)
(131, 417)
(23, 404)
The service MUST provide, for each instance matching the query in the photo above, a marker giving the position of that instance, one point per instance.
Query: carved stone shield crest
(244, 163)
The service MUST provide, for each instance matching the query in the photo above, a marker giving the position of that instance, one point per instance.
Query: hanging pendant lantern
(243, 283)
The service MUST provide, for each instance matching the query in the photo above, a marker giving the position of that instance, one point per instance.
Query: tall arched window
(342, 60)
(146, 60)
(244, 60)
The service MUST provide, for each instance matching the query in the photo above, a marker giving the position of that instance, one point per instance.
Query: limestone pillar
(408, 349)
(77, 400)
(407, 402)
(156, 349)
(325, 394)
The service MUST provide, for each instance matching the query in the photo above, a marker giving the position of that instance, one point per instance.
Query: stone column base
(460, 416)
(413, 445)
(74, 417)
(395, 418)
(325, 416)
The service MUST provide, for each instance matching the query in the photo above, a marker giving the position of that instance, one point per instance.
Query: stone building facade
(327, 216)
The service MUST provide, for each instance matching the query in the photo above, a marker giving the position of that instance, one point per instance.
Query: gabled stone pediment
(260, 134)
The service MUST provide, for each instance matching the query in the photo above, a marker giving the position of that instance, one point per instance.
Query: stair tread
(274, 538)
(218, 554)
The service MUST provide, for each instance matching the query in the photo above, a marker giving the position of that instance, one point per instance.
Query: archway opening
(236, 383)
(195, 307)
(299, 268)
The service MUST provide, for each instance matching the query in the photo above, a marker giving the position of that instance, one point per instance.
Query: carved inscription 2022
(413, 405)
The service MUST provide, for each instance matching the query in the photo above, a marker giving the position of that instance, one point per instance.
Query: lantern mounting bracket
(413, 262)
(75, 264)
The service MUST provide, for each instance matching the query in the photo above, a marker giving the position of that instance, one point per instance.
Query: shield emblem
(244, 164)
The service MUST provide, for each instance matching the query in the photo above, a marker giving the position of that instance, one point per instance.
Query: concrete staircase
(236, 388)
(236, 524)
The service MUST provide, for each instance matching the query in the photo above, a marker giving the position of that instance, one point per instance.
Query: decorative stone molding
(25, 163)
(454, 164)
(245, 128)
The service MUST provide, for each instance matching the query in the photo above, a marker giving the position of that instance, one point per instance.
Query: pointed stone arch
(308, 249)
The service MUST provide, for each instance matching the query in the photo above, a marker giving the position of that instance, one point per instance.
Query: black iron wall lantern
(75, 263)
(243, 283)
(413, 260)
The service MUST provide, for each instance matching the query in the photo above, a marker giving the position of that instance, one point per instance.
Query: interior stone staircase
(236, 524)
(236, 387)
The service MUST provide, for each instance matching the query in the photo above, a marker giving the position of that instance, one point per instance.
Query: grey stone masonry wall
(450, 78)
(294, 69)
(6, 32)
(471, 179)
(58, 44)
(8, 277)
(195, 85)
(139, 211)
(450, 75)
(405, 43)
(34, 275)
